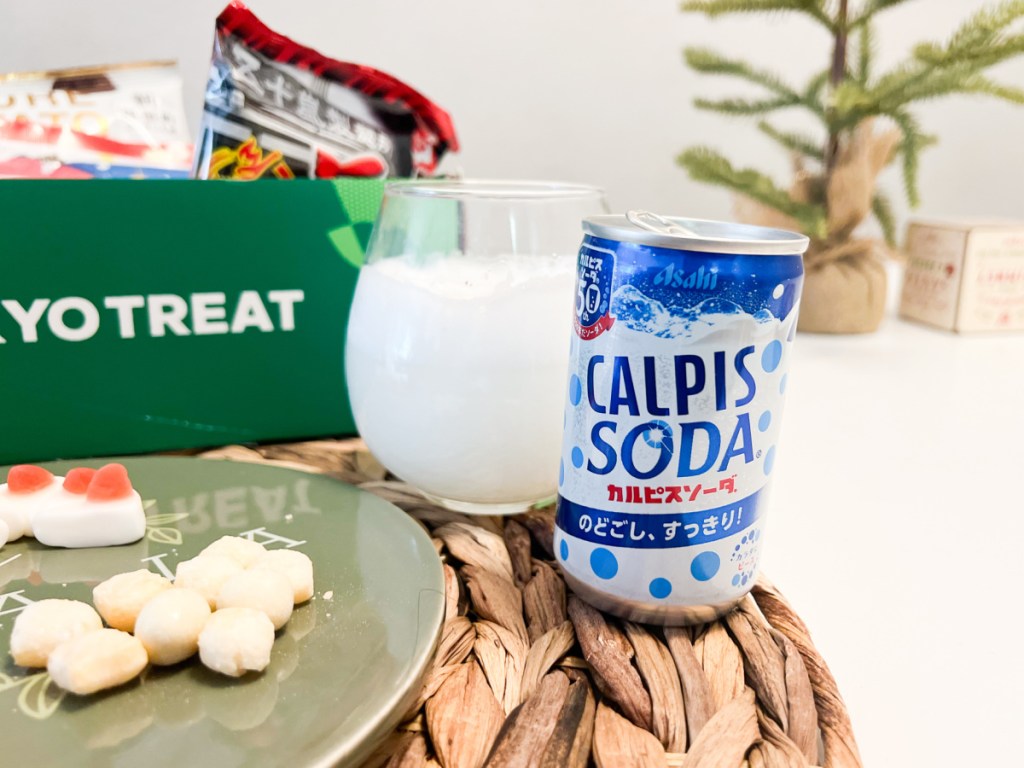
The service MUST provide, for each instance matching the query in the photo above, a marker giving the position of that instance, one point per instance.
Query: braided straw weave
(526, 674)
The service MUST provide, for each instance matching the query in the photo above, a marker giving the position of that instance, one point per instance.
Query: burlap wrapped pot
(845, 279)
(844, 288)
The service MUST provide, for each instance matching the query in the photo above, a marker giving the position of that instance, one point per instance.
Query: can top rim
(703, 235)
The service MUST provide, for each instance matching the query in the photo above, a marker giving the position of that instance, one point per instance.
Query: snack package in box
(118, 121)
(277, 109)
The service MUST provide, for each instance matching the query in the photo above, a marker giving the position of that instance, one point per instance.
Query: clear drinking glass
(458, 339)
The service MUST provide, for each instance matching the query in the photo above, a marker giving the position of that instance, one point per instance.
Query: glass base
(474, 508)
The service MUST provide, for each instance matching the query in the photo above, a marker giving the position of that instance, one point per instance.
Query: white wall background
(578, 90)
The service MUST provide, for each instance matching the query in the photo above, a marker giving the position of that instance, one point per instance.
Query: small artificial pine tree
(847, 97)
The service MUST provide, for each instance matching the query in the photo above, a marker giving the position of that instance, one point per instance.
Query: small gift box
(965, 276)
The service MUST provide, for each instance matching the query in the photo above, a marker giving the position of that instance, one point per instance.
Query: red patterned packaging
(277, 109)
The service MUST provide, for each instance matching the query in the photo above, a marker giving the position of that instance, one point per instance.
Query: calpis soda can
(677, 376)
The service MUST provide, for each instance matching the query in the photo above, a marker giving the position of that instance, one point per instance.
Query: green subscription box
(141, 316)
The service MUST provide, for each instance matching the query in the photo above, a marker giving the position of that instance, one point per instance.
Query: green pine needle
(986, 55)
(850, 104)
(794, 142)
(865, 53)
(981, 41)
(711, 63)
(923, 141)
(812, 95)
(881, 206)
(707, 165)
(984, 29)
(983, 85)
(745, 107)
(903, 87)
(913, 142)
(713, 8)
(907, 86)
(938, 70)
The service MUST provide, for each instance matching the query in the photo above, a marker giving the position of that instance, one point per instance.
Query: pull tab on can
(652, 222)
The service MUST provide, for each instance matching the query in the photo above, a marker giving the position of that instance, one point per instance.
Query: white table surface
(896, 529)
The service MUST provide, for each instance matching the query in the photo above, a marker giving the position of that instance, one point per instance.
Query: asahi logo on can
(673, 277)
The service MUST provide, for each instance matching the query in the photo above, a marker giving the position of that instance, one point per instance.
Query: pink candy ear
(110, 482)
(26, 478)
(78, 479)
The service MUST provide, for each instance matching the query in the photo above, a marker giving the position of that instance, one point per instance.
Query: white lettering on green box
(165, 314)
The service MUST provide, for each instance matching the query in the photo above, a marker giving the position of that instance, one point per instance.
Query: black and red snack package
(277, 109)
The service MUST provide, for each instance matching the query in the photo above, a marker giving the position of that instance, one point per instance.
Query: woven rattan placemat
(526, 674)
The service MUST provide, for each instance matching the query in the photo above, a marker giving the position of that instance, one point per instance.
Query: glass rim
(493, 189)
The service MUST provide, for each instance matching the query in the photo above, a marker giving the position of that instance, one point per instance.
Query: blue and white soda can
(677, 376)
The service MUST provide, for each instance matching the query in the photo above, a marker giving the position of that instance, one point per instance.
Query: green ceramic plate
(343, 670)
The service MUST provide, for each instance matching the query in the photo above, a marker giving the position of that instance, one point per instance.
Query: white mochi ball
(244, 551)
(295, 566)
(101, 659)
(120, 598)
(206, 574)
(264, 590)
(170, 623)
(236, 640)
(47, 624)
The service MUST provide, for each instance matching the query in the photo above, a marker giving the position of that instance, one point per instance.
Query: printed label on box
(993, 289)
(931, 282)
